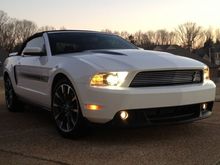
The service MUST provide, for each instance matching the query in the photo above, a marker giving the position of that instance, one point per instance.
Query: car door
(32, 73)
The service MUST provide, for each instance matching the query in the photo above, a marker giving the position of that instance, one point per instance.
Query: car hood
(125, 60)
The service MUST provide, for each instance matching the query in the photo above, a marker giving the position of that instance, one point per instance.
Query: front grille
(165, 78)
(173, 113)
(163, 115)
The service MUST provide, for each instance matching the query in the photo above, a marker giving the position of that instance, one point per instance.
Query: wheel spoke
(68, 90)
(59, 97)
(67, 126)
(75, 110)
(58, 115)
(68, 123)
(73, 99)
(56, 105)
(61, 124)
(72, 121)
(62, 89)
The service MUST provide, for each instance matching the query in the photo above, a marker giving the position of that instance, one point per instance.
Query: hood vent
(108, 52)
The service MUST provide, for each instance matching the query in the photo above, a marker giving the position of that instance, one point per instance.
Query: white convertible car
(91, 76)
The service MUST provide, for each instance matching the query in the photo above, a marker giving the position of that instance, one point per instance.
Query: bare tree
(8, 36)
(217, 35)
(146, 42)
(125, 35)
(151, 36)
(46, 28)
(207, 39)
(138, 38)
(63, 28)
(162, 37)
(188, 34)
(25, 29)
(14, 32)
(172, 38)
(131, 39)
(116, 33)
(143, 40)
(3, 20)
(107, 31)
(209, 34)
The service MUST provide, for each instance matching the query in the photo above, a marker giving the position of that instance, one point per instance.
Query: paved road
(30, 138)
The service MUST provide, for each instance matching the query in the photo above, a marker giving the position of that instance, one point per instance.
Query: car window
(36, 42)
(62, 43)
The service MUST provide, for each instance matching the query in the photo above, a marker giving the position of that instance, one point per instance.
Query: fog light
(124, 115)
(93, 107)
(204, 106)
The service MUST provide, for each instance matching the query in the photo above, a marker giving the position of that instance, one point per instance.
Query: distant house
(3, 56)
(212, 54)
(178, 50)
(216, 57)
(216, 54)
(166, 47)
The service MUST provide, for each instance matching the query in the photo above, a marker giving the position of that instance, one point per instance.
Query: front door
(32, 74)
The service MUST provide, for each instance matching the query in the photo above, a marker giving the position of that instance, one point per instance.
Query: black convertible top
(39, 34)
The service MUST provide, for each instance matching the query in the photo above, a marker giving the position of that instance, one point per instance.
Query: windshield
(71, 42)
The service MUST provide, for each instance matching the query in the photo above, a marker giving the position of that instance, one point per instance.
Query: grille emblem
(196, 77)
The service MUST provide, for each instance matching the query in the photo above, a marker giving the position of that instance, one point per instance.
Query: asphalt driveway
(31, 138)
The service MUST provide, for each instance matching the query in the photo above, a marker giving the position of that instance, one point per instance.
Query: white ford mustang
(90, 76)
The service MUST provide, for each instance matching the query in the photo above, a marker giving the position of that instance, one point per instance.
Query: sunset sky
(129, 15)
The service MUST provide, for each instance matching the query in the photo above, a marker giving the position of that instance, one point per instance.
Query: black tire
(12, 102)
(66, 110)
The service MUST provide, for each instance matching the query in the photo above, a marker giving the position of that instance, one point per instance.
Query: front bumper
(133, 99)
(167, 115)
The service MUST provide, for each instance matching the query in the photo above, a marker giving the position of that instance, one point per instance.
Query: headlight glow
(112, 80)
(206, 73)
(108, 79)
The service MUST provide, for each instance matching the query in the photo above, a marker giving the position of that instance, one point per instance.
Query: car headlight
(108, 79)
(206, 73)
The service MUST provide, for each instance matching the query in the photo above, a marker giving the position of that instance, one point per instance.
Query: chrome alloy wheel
(65, 107)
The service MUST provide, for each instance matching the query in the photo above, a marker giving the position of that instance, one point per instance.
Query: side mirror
(140, 48)
(13, 54)
(34, 51)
